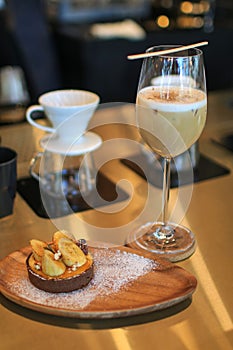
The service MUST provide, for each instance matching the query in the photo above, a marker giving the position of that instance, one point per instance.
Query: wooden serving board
(126, 282)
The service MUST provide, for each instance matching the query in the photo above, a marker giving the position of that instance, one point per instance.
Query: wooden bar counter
(205, 322)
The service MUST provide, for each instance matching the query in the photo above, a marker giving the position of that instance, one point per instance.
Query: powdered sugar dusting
(113, 270)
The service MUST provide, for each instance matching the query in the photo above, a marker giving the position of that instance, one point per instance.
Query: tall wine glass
(171, 109)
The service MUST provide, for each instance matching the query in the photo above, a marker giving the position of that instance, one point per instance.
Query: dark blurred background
(64, 44)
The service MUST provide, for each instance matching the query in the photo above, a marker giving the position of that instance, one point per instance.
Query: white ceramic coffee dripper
(59, 106)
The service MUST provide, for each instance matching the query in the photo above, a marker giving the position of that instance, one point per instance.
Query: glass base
(171, 241)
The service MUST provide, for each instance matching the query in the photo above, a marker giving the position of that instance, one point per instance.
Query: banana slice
(57, 236)
(37, 248)
(71, 253)
(52, 267)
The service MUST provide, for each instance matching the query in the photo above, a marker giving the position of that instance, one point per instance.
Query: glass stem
(166, 188)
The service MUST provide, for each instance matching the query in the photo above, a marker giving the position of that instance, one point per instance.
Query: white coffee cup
(59, 106)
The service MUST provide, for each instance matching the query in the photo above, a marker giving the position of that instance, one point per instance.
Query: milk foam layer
(171, 98)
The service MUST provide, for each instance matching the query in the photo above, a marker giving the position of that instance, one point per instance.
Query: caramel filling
(67, 274)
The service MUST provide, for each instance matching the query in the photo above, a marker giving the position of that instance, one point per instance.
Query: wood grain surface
(163, 286)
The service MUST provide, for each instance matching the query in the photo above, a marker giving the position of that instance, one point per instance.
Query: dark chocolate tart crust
(60, 285)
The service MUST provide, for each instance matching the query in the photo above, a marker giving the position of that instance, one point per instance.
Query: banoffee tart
(62, 265)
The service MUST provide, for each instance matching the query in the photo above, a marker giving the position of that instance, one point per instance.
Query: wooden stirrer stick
(164, 52)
